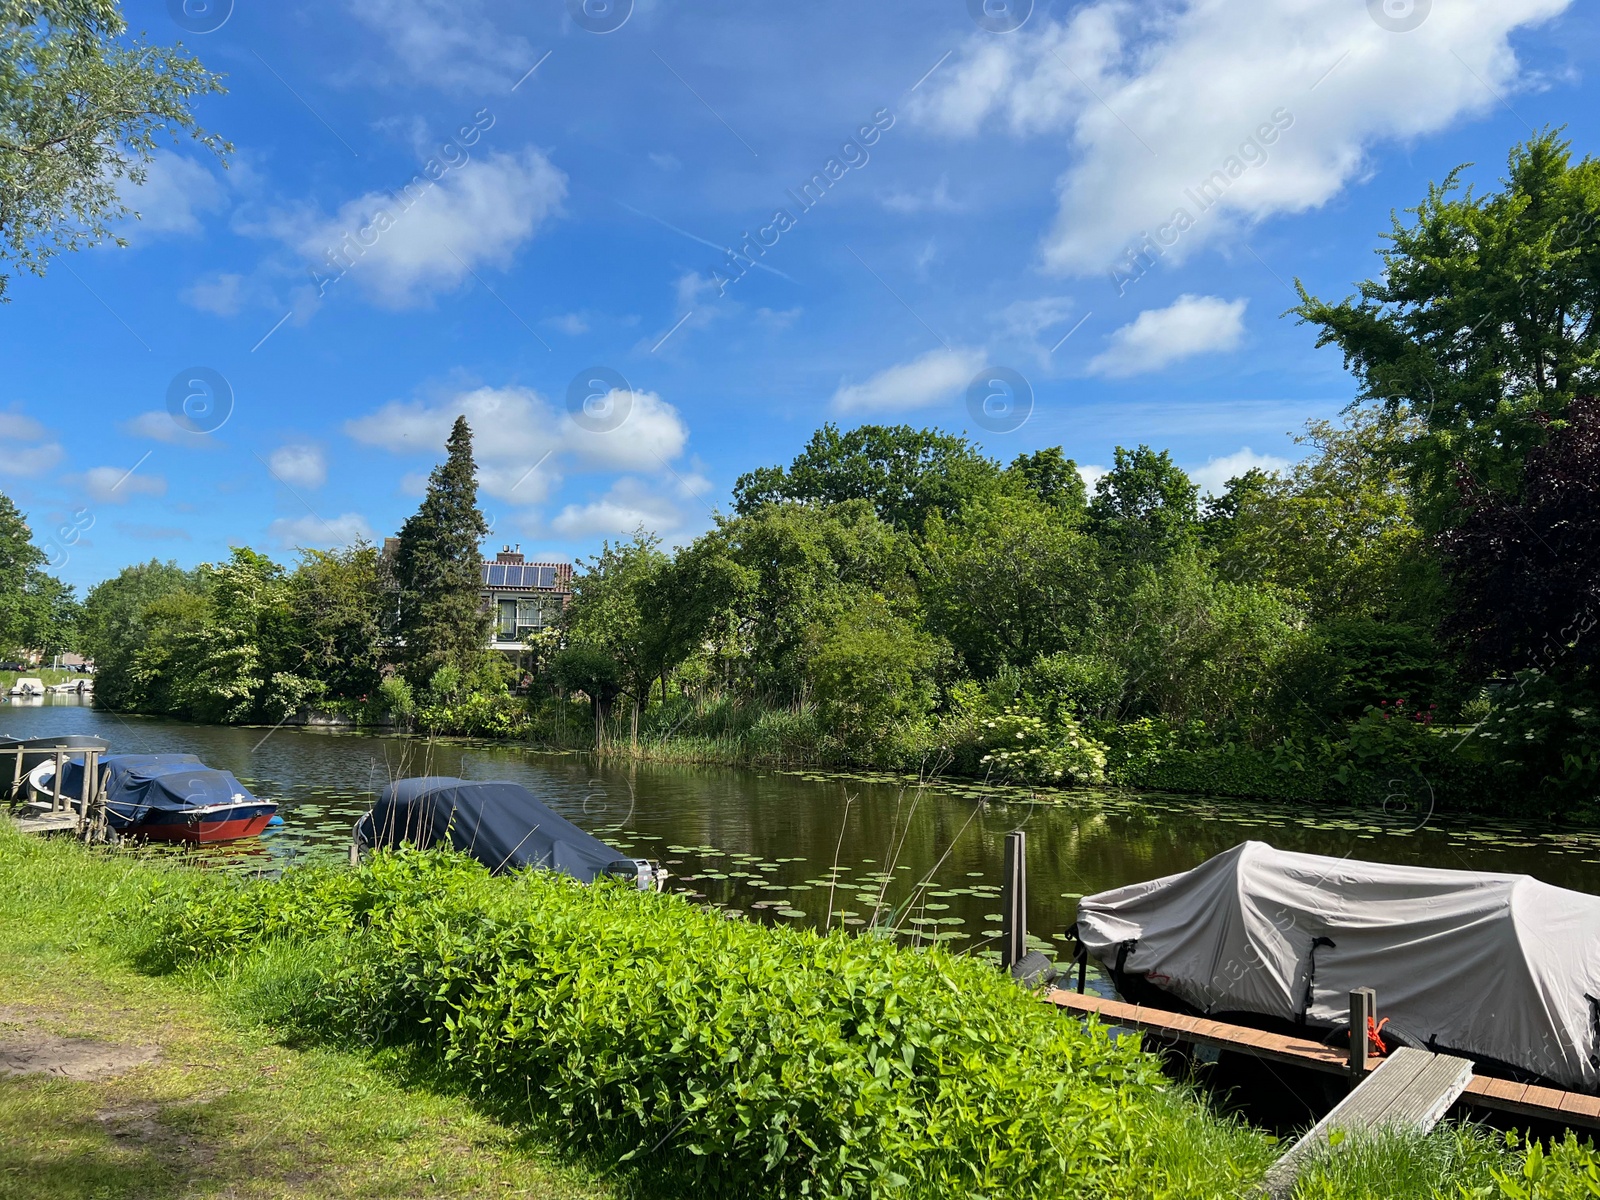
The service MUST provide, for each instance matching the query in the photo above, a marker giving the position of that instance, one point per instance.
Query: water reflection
(805, 848)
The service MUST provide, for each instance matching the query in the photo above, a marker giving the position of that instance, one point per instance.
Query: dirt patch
(69, 1058)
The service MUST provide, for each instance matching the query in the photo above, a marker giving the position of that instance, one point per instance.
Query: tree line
(1409, 611)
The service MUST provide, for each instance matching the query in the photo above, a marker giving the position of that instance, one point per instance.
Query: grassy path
(176, 1098)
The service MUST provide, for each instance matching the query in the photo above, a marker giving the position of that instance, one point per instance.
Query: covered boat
(1502, 969)
(166, 797)
(502, 825)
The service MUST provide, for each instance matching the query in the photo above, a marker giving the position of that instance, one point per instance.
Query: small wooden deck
(44, 822)
(1482, 1091)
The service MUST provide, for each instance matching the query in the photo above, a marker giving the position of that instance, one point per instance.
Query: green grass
(248, 1099)
(224, 1110)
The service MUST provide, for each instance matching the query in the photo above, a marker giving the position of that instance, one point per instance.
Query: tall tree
(116, 622)
(37, 611)
(1008, 580)
(81, 110)
(1486, 315)
(608, 614)
(336, 609)
(905, 473)
(439, 568)
(1052, 477)
(1145, 508)
(1526, 589)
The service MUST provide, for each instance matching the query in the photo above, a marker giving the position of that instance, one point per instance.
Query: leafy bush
(1023, 748)
(393, 699)
(721, 1056)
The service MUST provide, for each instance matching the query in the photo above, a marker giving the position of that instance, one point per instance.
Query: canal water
(809, 848)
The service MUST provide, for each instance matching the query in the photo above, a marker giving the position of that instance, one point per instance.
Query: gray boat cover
(1499, 967)
(502, 825)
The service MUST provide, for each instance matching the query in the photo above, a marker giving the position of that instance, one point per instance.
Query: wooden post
(19, 784)
(1014, 901)
(61, 766)
(86, 791)
(1363, 1009)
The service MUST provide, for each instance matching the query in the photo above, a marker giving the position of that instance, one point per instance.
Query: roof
(547, 577)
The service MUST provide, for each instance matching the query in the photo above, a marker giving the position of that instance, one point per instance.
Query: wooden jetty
(82, 815)
(1480, 1091)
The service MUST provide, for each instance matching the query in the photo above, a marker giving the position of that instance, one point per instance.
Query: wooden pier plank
(1411, 1089)
(1528, 1100)
(1258, 1043)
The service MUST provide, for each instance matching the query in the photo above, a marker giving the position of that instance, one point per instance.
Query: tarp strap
(1311, 977)
(1125, 949)
(1080, 955)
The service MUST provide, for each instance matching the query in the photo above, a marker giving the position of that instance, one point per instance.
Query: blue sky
(575, 195)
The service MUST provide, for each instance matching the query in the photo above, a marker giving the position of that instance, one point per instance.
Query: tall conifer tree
(438, 567)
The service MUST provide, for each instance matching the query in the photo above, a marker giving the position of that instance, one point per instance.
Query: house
(522, 597)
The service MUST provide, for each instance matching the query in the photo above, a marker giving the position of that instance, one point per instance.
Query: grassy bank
(187, 1094)
(417, 1028)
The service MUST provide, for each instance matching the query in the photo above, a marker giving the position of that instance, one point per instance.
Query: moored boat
(1498, 968)
(164, 797)
(502, 825)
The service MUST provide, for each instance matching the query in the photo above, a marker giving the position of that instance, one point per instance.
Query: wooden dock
(1481, 1091)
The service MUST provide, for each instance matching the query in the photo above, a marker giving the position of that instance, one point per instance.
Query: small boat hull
(225, 825)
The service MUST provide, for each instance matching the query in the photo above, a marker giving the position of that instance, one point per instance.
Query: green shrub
(1023, 748)
(721, 1056)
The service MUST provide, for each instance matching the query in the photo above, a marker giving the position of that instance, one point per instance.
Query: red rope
(1375, 1036)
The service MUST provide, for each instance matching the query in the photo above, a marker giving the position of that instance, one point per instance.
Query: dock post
(1014, 901)
(19, 785)
(1363, 1014)
(61, 766)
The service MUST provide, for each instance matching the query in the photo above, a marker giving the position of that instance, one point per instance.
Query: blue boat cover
(138, 784)
(502, 825)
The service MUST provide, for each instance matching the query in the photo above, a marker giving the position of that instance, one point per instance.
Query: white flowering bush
(1023, 748)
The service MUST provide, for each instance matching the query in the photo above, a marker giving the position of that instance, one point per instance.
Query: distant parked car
(13, 666)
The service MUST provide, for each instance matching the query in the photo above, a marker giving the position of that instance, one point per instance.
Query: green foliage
(37, 611)
(1484, 316)
(1023, 748)
(872, 671)
(906, 474)
(1009, 579)
(1051, 478)
(1084, 685)
(393, 699)
(1336, 534)
(82, 106)
(716, 1056)
(1145, 508)
(438, 567)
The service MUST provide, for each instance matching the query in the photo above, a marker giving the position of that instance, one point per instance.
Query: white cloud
(571, 324)
(26, 449)
(626, 506)
(158, 426)
(451, 44)
(222, 294)
(519, 438)
(300, 465)
(408, 245)
(28, 461)
(1152, 105)
(934, 378)
(936, 199)
(1159, 337)
(1213, 477)
(1092, 475)
(312, 532)
(175, 193)
(118, 485)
